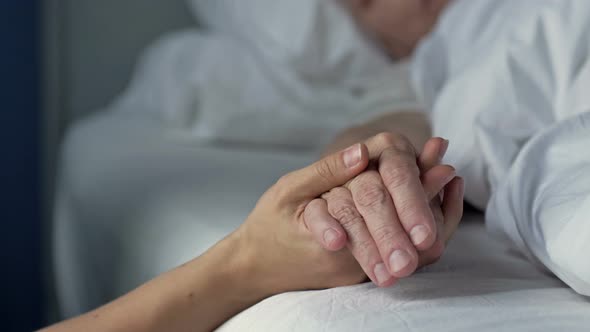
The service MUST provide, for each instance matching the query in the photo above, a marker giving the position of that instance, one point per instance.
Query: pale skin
(273, 252)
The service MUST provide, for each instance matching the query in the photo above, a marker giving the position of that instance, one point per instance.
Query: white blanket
(507, 82)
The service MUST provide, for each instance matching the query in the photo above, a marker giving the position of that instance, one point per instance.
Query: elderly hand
(388, 216)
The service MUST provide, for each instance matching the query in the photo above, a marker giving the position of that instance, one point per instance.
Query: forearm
(411, 124)
(197, 296)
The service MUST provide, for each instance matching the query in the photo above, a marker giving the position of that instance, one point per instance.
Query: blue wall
(20, 240)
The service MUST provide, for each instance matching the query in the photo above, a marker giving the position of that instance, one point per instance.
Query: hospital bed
(133, 200)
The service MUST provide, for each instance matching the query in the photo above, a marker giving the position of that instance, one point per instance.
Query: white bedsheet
(137, 200)
(479, 285)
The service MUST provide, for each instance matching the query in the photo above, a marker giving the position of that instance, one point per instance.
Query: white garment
(512, 107)
(276, 72)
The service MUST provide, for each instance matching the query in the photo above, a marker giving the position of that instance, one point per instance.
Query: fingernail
(443, 149)
(352, 156)
(381, 273)
(419, 234)
(330, 236)
(399, 260)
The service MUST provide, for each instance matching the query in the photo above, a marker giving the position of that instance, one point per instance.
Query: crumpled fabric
(515, 108)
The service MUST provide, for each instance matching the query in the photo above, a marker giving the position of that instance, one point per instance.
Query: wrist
(235, 267)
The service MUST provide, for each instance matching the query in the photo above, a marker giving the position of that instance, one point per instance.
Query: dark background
(20, 242)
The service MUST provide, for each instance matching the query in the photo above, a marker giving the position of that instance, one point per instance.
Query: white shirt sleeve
(544, 205)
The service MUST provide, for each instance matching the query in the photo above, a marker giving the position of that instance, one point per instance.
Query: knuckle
(399, 174)
(371, 196)
(311, 209)
(336, 195)
(402, 144)
(397, 142)
(347, 216)
(341, 192)
(386, 138)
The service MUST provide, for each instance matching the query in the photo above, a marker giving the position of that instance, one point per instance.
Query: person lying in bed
(273, 252)
(521, 102)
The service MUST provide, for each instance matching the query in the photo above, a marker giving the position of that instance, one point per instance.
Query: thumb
(330, 172)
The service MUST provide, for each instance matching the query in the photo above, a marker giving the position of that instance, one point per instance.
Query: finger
(360, 243)
(374, 203)
(383, 141)
(400, 173)
(401, 176)
(433, 254)
(432, 154)
(451, 213)
(435, 206)
(330, 172)
(435, 180)
(326, 230)
(452, 207)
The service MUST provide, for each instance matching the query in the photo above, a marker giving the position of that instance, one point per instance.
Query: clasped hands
(391, 217)
(393, 210)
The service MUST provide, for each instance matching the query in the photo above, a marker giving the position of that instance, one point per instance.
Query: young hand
(277, 244)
